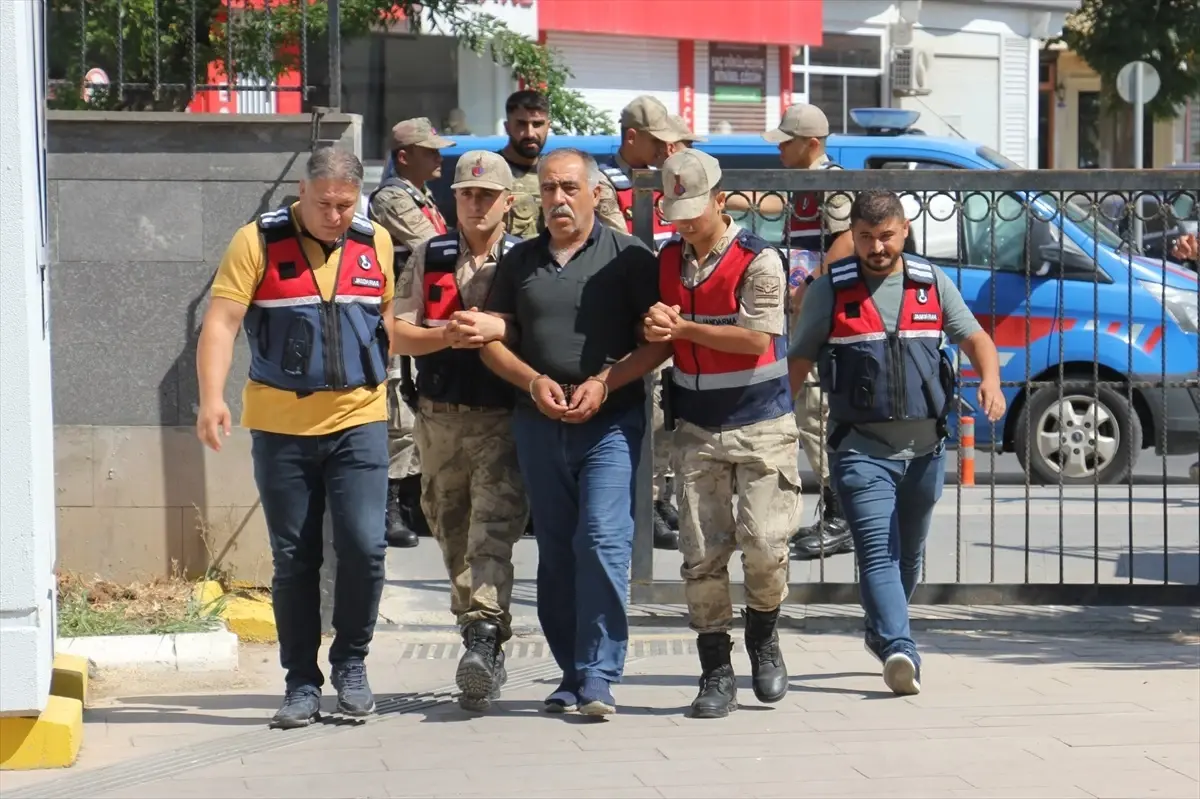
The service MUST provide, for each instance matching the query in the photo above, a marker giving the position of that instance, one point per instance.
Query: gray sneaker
(354, 693)
(300, 708)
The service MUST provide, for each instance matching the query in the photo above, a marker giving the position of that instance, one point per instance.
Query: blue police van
(1063, 299)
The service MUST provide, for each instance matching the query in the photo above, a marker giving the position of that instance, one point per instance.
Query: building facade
(970, 67)
(1081, 131)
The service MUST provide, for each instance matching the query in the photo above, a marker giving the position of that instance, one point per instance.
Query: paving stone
(1093, 720)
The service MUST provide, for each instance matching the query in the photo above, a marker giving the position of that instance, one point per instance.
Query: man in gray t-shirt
(876, 323)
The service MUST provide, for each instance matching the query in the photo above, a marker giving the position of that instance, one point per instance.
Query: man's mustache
(562, 211)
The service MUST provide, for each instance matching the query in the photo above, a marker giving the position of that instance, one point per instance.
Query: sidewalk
(1003, 714)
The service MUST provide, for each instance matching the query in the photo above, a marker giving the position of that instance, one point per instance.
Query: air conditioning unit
(910, 71)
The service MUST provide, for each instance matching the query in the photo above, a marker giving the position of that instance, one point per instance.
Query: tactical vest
(875, 375)
(717, 389)
(623, 187)
(804, 226)
(454, 375)
(431, 212)
(300, 341)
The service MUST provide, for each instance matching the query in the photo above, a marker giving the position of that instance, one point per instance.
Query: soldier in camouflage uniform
(736, 435)
(648, 134)
(819, 228)
(404, 206)
(471, 488)
(527, 123)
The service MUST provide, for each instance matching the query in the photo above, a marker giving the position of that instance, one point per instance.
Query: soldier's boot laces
(768, 672)
(718, 685)
(481, 669)
(830, 535)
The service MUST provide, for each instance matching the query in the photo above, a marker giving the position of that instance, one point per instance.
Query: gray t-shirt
(895, 440)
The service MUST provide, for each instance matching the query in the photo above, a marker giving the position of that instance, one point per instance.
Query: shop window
(845, 72)
(846, 50)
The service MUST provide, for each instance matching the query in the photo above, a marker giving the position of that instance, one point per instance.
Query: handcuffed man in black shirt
(576, 295)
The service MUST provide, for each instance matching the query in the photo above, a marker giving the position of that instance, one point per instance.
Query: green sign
(737, 94)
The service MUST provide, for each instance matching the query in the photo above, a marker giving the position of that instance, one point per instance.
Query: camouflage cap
(647, 113)
(800, 121)
(483, 169)
(688, 180)
(419, 132)
(685, 133)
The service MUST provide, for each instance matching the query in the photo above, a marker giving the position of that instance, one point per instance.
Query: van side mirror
(1064, 259)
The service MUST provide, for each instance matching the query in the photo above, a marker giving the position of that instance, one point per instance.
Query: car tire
(1042, 414)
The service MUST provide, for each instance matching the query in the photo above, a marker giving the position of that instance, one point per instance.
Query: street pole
(1139, 115)
(335, 55)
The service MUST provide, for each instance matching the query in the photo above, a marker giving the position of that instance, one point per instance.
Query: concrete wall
(142, 206)
(26, 477)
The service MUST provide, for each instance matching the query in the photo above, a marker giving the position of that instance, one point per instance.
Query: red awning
(794, 22)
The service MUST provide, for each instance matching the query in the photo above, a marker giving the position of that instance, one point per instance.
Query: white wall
(987, 96)
(483, 86)
(26, 424)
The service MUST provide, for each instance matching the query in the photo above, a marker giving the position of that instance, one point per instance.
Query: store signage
(520, 16)
(737, 72)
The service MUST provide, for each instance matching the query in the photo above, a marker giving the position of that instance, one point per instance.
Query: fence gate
(1081, 493)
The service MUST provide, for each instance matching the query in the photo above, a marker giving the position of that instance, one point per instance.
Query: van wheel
(1079, 440)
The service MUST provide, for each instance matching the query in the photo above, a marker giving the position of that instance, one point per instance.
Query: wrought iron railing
(1099, 353)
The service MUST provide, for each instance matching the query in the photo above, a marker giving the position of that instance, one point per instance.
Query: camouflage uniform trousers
(663, 441)
(404, 456)
(757, 464)
(812, 421)
(473, 497)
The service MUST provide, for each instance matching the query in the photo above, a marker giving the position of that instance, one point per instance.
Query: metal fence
(1099, 351)
(214, 56)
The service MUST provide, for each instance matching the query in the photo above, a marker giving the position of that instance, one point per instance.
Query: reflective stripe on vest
(876, 375)
(721, 389)
(456, 376)
(623, 187)
(302, 342)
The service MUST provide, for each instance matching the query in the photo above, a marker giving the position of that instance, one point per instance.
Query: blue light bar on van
(884, 121)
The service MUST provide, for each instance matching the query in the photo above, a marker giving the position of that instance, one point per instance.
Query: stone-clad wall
(142, 206)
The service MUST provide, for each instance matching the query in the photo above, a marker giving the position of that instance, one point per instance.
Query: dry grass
(92, 606)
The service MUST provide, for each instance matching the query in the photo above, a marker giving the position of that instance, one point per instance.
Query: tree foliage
(156, 51)
(1108, 34)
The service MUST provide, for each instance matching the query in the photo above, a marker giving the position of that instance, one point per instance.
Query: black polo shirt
(575, 320)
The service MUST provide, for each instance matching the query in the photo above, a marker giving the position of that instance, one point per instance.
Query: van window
(933, 223)
(1004, 223)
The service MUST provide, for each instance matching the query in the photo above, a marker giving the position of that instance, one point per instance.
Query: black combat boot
(399, 534)
(666, 519)
(831, 533)
(664, 536)
(768, 672)
(481, 668)
(718, 687)
(410, 506)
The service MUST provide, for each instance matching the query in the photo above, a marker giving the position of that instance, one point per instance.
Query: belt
(454, 407)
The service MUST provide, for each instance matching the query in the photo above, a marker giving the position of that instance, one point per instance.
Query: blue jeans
(297, 477)
(889, 505)
(580, 479)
